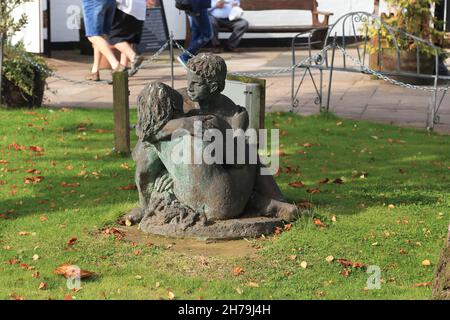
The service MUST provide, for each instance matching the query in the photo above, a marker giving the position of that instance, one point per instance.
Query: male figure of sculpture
(205, 192)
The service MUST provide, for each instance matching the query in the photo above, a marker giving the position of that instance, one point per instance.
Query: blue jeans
(201, 33)
(98, 16)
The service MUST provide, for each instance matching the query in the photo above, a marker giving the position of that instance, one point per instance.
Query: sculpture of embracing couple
(188, 193)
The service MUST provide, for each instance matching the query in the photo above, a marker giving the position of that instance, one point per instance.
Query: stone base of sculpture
(244, 227)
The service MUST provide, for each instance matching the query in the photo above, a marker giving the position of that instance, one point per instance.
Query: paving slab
(354, 95)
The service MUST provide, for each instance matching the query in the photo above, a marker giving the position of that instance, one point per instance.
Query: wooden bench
(263, 5)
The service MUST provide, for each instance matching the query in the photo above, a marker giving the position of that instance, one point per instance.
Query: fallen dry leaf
(12, 261)
(329, 259)
(70, 185)
(16, 146)
(35, 257)
(16, 297)
(36, 149)
(423, 284)
(303, 264)
(287, 227)
(171, 295)
(128, 187)
(305, 205)
(33, 180)
(426, 263)
(24, 233)
(68, 297)
(345, 272)
(238, 271)
(396, 141)
(71, 271)
(43, 286)
(115, 232)
(125, 166)
(324, 181)
(71, 241)
(102, 131)
(349, 263)
(313, 190)
(296, 184)
(278, 230)
(33, 171)
(253, 285)
(318, 223)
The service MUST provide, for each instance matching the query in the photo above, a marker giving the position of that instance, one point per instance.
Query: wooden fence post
(121, 108)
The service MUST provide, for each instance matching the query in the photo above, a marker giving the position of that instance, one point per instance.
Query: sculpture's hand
(164, 183)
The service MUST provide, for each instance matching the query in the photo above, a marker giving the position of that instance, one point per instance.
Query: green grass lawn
(390, 210)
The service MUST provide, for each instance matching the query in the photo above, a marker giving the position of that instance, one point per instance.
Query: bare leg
(126, 49)
(124, 60)
(97, 57)
(102, 45)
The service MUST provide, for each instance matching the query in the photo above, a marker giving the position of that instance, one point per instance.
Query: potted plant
(413, 17)
(22, 74)
(24, 77)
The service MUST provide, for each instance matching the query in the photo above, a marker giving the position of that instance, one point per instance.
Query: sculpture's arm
(240, 119)
(185, 124)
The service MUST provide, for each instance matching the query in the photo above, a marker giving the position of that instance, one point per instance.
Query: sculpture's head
(157, 104)
(206, 76)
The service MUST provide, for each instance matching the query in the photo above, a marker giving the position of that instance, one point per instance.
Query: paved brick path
(355, 96)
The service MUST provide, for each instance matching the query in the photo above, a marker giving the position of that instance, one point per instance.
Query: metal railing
(355, 26)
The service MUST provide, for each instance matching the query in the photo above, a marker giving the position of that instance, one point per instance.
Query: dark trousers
(201, 33)
(237, 29)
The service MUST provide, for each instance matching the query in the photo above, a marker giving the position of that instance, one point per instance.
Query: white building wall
(33, 34)
(62, 11)
(64, 15)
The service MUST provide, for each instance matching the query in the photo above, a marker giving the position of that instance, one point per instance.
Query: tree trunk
(441, 285)
(2, 40)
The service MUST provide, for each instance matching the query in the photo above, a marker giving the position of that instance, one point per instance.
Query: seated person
(218, 15)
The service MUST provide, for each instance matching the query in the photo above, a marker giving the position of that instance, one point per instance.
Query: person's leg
(102, 45)
(95, 71)
(239, 27)
(126, 49)
(124, 60)
(97, 57)
(215, 31)
(201, 33)
(98, 20)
